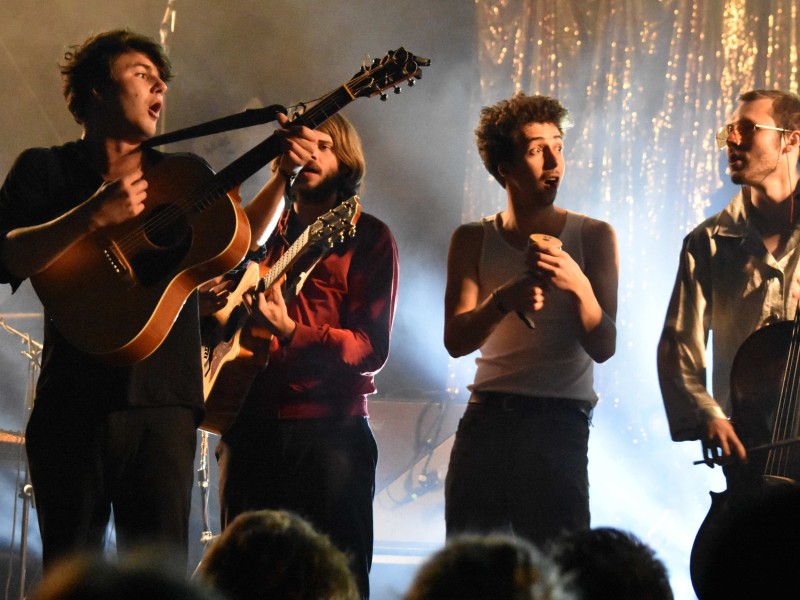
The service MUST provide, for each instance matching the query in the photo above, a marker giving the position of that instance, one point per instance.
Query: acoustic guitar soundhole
(169, 232)
(166, 226)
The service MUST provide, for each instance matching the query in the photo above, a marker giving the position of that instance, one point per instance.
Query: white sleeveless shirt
(547, 361)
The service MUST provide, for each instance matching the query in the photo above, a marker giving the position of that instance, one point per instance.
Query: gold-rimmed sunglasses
(741, 131)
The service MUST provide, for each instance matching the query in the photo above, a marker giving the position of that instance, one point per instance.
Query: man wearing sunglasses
(737, 272)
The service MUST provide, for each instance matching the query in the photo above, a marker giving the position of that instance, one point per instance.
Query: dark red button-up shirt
(344, 315)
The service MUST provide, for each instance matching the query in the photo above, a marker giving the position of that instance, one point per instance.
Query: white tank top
(547, 361)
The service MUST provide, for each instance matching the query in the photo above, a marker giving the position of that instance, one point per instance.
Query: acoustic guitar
(117, 292)
(234, 349)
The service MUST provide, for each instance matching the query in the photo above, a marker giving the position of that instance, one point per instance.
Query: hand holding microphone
(537, 242)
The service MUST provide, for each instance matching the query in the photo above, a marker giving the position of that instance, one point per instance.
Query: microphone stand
(207, 536)
(202, 482)
(33, 353)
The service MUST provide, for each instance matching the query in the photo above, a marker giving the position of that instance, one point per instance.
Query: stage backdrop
(647, 83)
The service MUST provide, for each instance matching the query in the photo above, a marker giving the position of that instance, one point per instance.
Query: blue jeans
(520, 468)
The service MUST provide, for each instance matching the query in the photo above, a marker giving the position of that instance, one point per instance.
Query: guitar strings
(288, 258)
(774, 457)
(792, 420)
(786, 411)
(787, 424)
(133, 240)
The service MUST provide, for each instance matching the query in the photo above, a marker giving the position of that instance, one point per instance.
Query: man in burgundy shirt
(302, 440)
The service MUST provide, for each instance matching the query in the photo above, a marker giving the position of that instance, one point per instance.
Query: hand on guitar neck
(268, 309)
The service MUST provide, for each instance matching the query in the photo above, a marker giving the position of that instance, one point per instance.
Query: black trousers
(520, 468)
(138, 462)
(320, 469)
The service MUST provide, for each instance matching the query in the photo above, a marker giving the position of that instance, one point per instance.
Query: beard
(754, 173)
(737, 178)
(328, 187)
(755, 164)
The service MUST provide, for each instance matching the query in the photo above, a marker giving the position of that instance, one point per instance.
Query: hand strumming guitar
(269, 310)
(118, 200)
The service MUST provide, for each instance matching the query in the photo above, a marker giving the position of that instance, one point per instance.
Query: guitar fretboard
(285, 261)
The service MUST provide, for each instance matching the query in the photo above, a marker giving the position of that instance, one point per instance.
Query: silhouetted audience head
(607, 563)
(494, 567)
(276, 554)
(92, 577)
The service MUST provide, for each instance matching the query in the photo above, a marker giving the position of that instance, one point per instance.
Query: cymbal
(21, 315)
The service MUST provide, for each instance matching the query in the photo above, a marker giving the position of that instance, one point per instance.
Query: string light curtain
(647, 83)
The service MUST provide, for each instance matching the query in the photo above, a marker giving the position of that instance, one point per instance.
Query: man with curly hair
(104, 437)
(85, 438)
(541, 311)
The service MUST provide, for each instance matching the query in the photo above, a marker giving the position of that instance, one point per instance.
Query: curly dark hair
(499, 130)
(87, 66)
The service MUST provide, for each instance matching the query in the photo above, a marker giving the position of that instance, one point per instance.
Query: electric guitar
(234, 348)
(116, 293)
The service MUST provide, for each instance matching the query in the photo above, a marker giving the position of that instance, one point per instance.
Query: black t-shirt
(43, 184)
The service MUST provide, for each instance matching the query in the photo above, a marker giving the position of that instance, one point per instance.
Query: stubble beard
(752, 174)
(321, 193)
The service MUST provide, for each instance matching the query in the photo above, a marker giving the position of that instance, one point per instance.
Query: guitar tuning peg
(384, 97)
(412, 82)
(398, 89)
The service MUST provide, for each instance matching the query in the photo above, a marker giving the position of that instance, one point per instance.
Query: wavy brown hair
(87, 66)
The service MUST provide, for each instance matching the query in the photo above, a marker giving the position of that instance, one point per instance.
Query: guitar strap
(248, 118)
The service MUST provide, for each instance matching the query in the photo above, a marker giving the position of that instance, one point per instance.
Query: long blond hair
(349, 152)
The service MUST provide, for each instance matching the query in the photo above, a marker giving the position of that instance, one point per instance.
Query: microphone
(541, 240)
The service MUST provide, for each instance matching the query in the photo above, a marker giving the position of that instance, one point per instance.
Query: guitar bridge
(116, 262)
